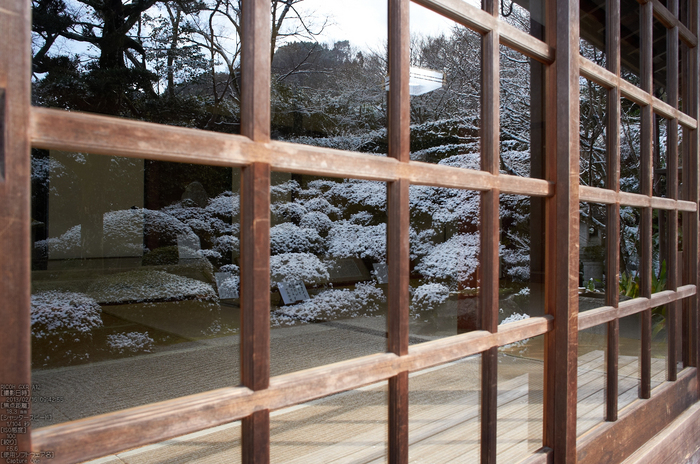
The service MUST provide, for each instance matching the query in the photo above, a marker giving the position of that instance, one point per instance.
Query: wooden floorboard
(444, 421)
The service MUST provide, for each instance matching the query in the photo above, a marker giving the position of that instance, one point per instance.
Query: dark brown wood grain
(612, 255)
(62, 130)
(398, 260)
(646, 173)
(255, 69)
(612, 442)
(255, 304)
(15, 281)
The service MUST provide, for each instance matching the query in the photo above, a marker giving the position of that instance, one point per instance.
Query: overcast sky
(364, 22)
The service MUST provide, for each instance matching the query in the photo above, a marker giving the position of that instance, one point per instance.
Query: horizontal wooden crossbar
(103, 135)
(604, 314)
(602, 76)
(113, 432)
(611, 197)
(480, 21)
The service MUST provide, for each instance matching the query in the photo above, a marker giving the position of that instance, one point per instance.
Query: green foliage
(629, 286)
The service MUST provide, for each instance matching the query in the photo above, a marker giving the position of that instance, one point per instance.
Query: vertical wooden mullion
(674, 319)
(15, 277)
(255, 226)
(488, 293)
(612, 273)
(398, 224)
(563, 234)
(646, 172)
(691, 248)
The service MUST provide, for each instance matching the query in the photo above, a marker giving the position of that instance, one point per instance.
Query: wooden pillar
(399, 114)
(255, 226)
(612, 273)
(563, 234)
(489, 233)
(15, 277)
(646, 173)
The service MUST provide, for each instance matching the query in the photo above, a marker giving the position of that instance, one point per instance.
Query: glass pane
(592, 376)
(347, 427)
(628, 364)
(444, 412)
(630, 252)
(327, 82)
(520, 399)
(526, 16)
(592, 41)
(521, 115)
(444, 240)
(592, 254)
(592, 134)
(660, 60)
(328, 270)
(630, 20)
(521, 282)
(445, 91)
(661, 127)
(630, 146)
(659, 250)
(134, 272)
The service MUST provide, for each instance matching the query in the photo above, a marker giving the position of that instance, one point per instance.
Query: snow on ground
(148, 285)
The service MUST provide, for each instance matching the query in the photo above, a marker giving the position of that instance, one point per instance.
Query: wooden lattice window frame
(25, 126)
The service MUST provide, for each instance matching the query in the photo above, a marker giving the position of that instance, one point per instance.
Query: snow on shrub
(225, 206)
(148, 285)
(227, 245)
(288, 212)
(54, 312)
(283, 192)
(334, 303)
(452, 261)
(316, 220)
(297, 266)
(347, 240)
(429, 296)
(514, 318)
(321, 205)
(363, 193)
(131, 342)
(290, 238)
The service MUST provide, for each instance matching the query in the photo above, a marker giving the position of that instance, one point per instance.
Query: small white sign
(293, 291)
(227, 284)
(188, 246)
(381, 270)
(421, 81)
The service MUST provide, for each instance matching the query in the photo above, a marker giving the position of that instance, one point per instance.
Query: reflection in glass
(444, 422)
(445, 122)
(521, 115)
(526, 16)
(444, 247)
(659, 250)
(592, 40)
(630, 252)
(660, 60)
(592, 134)
(592, 376)
(628, 363)
(521, 282)
(328, 84)
(592, 246)
(345, 427)
(327, 270)
(520, 398)
(630, 146)
(630, 20)
(134, 281)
